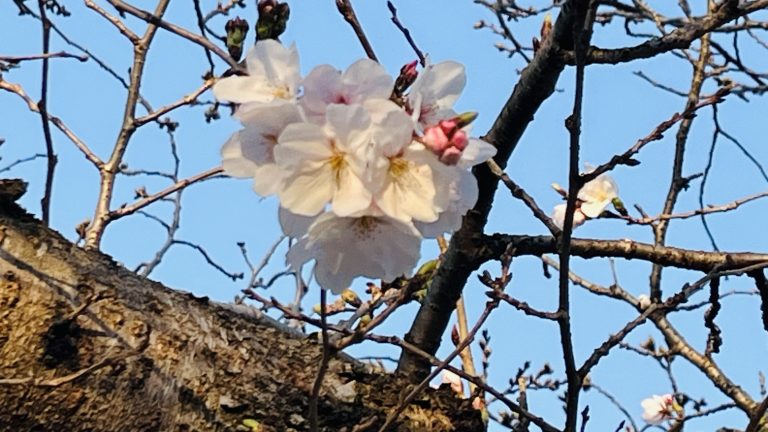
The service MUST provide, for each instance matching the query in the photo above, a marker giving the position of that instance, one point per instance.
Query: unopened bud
(266, 6)
(447, 140)
(559, 189)
(408, 74)
(455, 338)
(618, 204)
(546, 27)
(364, 321)
(351, 298)
(273, 17)
(465, 119)
(237, 29)
(649, 344)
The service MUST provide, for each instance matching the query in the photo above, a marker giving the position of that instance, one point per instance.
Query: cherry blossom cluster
(364, 166)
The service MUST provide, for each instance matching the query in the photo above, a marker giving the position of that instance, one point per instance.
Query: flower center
(341, 99)
(364, 226)
(281, 92)
(398, 167)
(337, 162)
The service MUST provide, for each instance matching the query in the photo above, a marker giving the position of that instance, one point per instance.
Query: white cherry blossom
(347, 247)
(462, 195)
(273, 76)
(558, 216)
(402, 170)
(250, 151)
(657, 408)
(458, 188)
(597, 194)
(325, 164)
(325, 85)
(435, 91)
(643, 301)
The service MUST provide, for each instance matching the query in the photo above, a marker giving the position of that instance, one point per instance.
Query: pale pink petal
(240, 89)
(350, 125)
(476, 152)
(367, 79)
(268, 179)
(293, 225)
(351, 195)
(235, 161)
(307, 193)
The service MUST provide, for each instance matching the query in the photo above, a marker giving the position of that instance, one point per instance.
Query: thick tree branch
(536, 84)
(145, 357)
(679, 38)
(494, 246)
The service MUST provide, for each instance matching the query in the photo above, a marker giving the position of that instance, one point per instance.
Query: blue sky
(619, 109)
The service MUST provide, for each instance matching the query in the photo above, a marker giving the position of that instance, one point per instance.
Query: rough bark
(87, 345)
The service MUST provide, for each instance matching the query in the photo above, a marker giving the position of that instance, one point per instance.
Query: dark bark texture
(87, 345)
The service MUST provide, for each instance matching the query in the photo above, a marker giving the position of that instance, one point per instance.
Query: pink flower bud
(409, 70)
(446, 140)
(408, 74)
(435, 139)
(450, 156)
(459, 140)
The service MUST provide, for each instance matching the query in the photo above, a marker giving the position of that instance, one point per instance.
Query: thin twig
(21, 161)
(34, 107)
(345, 7)
(186, 100)
(315, 395)
(520, 193)
(209, 260)
(157, 20)
(584, 15)
(181, 184)
(677, 183)
(59, 54)
(395, 413)
(407, 33)
(45, 202)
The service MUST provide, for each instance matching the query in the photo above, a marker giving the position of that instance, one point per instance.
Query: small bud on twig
(237, 29)
(273, 18)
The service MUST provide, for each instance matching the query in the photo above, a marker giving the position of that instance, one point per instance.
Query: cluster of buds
(273, 17)
(447, 139)
(237, 29)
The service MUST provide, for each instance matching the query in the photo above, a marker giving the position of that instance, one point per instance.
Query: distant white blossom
(643, 301)
(597, 194)
(592, 200)
(450, 378)
(558, 216)
(657, 408)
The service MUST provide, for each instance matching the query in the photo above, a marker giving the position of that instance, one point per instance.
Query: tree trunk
(87, 345)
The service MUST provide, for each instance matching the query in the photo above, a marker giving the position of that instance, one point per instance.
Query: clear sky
(619, 109)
